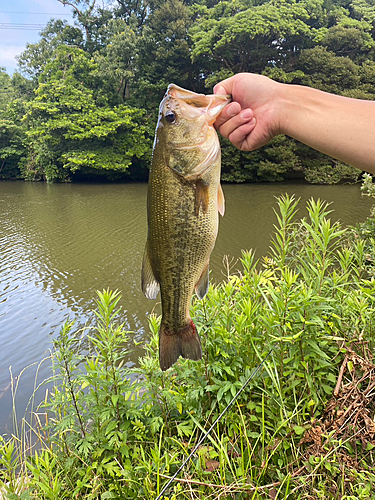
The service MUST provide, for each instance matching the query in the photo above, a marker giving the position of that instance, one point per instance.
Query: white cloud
(14, 41)
(50, 6)
(8, 54)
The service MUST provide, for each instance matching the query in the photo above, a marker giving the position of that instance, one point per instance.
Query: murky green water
(61, 243)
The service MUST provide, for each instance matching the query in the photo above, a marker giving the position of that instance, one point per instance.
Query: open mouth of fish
(195, 100)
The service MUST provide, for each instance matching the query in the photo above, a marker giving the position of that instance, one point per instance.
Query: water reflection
(61, 243)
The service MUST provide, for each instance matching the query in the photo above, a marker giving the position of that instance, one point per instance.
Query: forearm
(337, 126)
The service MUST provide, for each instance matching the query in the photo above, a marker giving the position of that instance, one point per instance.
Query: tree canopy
(84, 101)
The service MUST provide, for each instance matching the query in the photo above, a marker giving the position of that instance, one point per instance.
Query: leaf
(110, 427)
(299, 430)
(253, 435)
(185, 429)
(212, 465)
(108, 494)
(220, 393)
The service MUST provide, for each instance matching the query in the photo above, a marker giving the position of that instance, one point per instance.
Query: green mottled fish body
(184, 199)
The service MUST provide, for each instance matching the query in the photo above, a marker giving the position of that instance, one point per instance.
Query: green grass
(107, 431)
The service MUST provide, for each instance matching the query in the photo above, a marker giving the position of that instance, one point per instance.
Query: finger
(220, 90)
(232, 109)
(224, 87)
(236, 121)
(241, 136)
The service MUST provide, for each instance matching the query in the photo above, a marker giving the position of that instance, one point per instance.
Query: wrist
(288, 104)
(302, 110)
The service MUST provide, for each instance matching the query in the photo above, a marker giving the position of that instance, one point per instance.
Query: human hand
(251, 120)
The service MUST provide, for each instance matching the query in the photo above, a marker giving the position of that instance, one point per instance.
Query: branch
(339, 378)
(81, 14)
(228, 487)
(65, 2)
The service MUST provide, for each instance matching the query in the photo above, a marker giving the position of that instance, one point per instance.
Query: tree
(118, 61)
(90, 20)
(11, 130)
(240, 37)
(324, 44)
(164, 53)
(57, 33)
(98, 83)
(71, 127)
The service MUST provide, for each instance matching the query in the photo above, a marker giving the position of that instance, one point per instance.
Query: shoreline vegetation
(83, 103)
(302, 429)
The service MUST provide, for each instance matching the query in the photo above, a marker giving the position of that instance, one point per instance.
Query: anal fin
(201, 288)
(150, 286)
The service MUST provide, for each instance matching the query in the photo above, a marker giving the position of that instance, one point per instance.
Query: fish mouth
(211, 104)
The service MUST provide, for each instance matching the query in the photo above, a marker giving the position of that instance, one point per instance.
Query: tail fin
(184, 342)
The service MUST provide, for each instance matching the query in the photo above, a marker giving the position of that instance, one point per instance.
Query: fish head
(185, 129)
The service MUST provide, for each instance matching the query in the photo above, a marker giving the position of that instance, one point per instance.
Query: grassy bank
(302, 429)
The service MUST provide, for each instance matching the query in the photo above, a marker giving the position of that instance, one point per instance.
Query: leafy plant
(117, 432)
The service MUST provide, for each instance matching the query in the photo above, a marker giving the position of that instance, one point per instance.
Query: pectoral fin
(201, 288)
(150, 286)
(201, 197)
(220, 201)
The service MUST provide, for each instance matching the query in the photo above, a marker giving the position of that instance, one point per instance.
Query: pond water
(61, 243)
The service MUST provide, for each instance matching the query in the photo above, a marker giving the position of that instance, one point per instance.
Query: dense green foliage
(71, 126)
(366, 230)
(86, 98)
(108, 431)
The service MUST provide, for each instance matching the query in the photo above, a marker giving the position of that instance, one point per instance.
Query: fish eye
(170, 116)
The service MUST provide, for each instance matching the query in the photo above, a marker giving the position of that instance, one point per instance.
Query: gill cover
(186, 118)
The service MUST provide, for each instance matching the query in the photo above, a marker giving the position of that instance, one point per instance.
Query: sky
(16, 19)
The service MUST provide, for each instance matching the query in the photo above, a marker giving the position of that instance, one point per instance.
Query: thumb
(224, 87)
(219, 89)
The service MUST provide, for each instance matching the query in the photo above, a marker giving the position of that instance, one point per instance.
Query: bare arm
(338, 126)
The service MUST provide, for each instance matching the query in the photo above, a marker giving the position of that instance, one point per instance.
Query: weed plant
(366, 230)
(118, 433)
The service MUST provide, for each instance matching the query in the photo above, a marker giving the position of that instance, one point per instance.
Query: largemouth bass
(183, 201)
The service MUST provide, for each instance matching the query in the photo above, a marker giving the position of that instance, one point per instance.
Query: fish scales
(181, 242)
(183, 193)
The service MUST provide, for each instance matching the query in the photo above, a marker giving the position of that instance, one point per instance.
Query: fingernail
(246, 114)
(233, 109)
(219, 89)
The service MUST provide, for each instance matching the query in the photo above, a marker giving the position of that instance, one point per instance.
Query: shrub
(116, 432)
